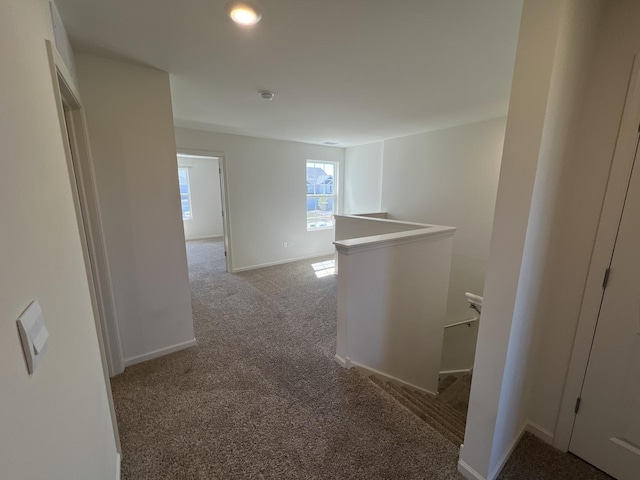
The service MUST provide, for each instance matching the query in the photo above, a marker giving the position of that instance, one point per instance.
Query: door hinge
(578, 402)
(605, 280)
(223, 213)
(225, 253)
(219, 171)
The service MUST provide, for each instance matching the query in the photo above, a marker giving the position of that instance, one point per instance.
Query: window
(321, 194)
(185, 193)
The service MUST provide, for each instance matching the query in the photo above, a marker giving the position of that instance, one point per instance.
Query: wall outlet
(291, 244)
(285, 244)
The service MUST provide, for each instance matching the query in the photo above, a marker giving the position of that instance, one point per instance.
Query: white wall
(449, 177)
(54, 424)
(580, 197)
(267, 195)
(363, 178)
(131, 130)
(552, 63)
(206, 204)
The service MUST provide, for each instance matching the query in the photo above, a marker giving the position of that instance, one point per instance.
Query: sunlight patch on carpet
(324, 269)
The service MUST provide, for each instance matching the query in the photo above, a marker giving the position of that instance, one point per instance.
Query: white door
(607, 427)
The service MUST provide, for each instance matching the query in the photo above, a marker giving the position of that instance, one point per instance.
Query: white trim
(224, 196)
(620, 172)
(505, 456)
(454, 372)
(74, 130)
(159, 352)
(107, 335)
(471, 474)
(388, 377)
(282, 262)
(343, 362)
(380, 215)
(368, 216)
(465, 469)
(118, 466)
(188, 155)
(364, 244)
(208, 237)
(540, 432)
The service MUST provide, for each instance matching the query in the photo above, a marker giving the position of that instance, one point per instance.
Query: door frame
(224, 197)
(610, 216)
(73, 129)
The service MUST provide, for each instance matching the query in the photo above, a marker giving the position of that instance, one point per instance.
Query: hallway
(260, 396)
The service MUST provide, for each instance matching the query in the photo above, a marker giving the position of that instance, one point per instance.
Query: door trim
(610, 216)
(226, 220)
(66, 94)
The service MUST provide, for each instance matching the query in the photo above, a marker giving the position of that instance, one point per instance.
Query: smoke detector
(267, 95)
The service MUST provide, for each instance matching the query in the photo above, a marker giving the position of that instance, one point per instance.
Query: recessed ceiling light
(331, 143)
(243, 13)
(267, 95)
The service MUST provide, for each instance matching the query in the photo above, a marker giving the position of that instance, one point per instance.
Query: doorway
(73, 129)
(204, 201)
(599, 418)
(607, 427)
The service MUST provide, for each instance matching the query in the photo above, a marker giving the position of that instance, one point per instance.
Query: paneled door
(607, 427)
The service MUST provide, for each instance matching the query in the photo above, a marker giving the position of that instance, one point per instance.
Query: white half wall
(363, 178)
(206, 203)
(392, 291)
(266, 189)
(130, 123)
(56, 423)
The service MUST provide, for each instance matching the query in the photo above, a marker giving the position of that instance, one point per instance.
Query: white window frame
(333, 195)
(186, 171)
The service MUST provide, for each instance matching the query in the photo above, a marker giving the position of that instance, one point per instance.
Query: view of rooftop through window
(321, 194)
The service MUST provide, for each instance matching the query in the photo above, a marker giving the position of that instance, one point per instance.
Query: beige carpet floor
(260, 396)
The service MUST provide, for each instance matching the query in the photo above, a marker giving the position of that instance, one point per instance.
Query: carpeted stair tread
(457, 394)
(434, 407)
(440, 405)
(446, 382)
(435, 402)
(408, 404)
(432, 411)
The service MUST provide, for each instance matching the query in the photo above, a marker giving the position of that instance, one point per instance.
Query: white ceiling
(349, 71)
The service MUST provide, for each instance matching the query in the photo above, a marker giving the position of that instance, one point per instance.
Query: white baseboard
(373, 371)
(158, 353)
(471, 474)
(455, 372)
(209, 237)
(343, 362)
(282, 262)
(118, 466)
(505, 456)
(468, 472)
(540, 432)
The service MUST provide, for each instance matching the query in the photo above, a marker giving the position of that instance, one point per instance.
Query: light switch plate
(33, 334)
